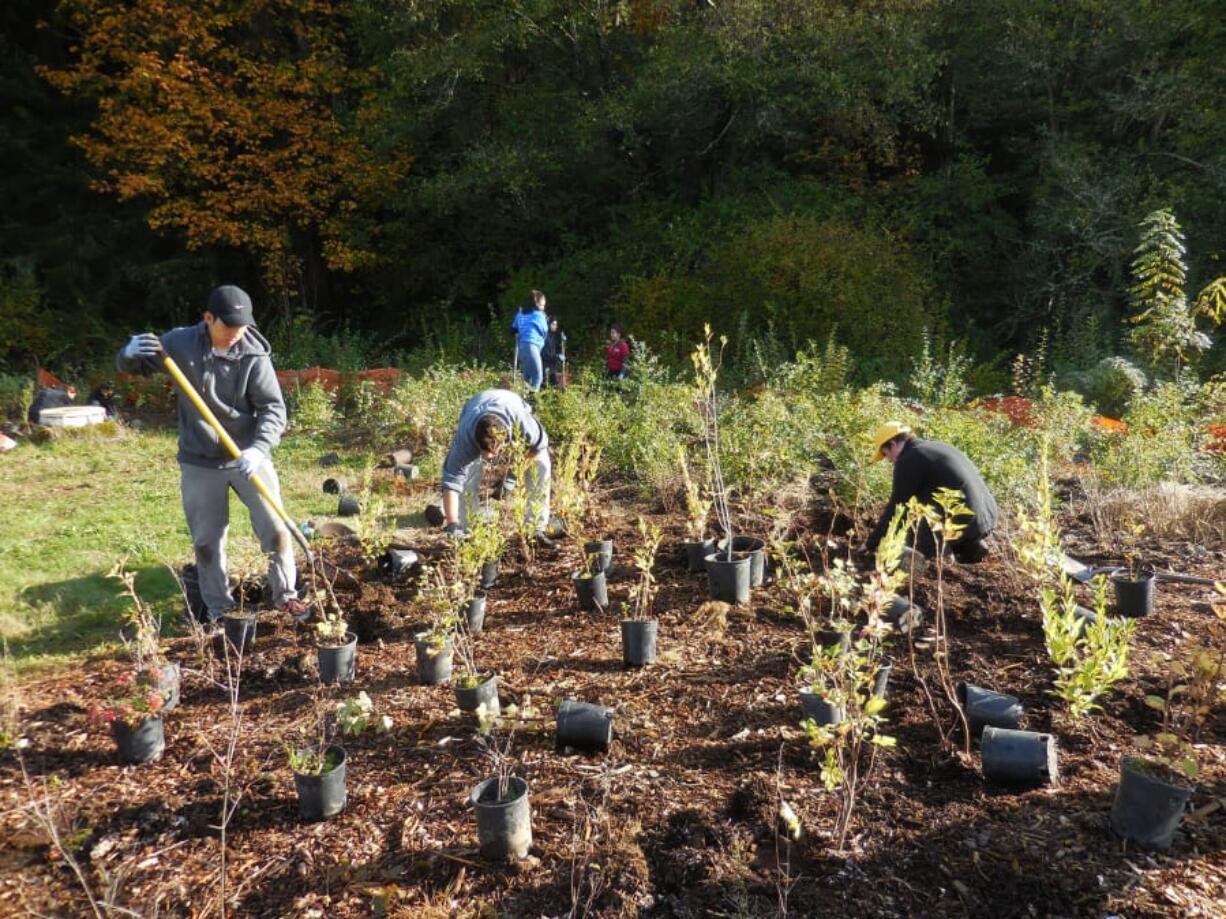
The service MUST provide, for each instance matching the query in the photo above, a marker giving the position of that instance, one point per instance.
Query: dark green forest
(387, 177)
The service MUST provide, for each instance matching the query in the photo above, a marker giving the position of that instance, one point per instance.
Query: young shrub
(940, 381)
(644, 590)
(371, 527)
(706, 373)
(697, 500)
(1159, 445)
(1089, 658)
(312, 409)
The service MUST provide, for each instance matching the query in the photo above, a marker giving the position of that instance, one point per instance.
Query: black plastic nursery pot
(728, 580)
(335, 486)
(140, 744)
(592, 590)
(1134, 596)
(832, 636)
(400, 561)
(348, 506)
(583, 727)
(329, 459)
(881, 680)
(240, 631)
(504, 825)
(822, 711)
(598, 555)
(170, 681)
(638, 642)
(489, 574)
(696, 554)
(474, 613)
(986, 708)
(754, 548)
(1148, 804)
(904, 615)
(339, 663)
(1018, 758)
(470, 698)
(433, 662)
(322, 796)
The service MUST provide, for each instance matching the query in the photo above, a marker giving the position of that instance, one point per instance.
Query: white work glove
(250, 461)
(144, 345)
(561, 358)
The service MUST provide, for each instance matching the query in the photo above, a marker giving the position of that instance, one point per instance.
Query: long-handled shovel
(228, 442)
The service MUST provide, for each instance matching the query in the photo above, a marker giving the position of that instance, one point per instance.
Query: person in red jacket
(616, 354)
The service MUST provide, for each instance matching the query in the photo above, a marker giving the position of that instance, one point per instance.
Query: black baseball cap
(231, 305)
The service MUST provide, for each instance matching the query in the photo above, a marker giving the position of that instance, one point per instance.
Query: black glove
(456, 532)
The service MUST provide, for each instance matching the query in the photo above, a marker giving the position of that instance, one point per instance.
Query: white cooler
(72, 416)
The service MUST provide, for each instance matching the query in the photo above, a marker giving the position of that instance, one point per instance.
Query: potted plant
(319, 777)
(145, 643)
(479, 554)
(573, 475)
(337, 649)
(133, 711)
(638, 629)
(823, 697)
(697, 510)
(1134, 586)
(473, 687)
(504, 817)
(728, 572)
(1157, 781)
(434, 644)
(591, 582)
(846, 720)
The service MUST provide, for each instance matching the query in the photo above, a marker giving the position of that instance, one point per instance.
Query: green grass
(79, 503)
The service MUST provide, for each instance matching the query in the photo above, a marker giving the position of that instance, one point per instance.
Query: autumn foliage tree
(240, 122)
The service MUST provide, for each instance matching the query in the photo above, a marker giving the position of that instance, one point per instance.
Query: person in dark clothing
(553, 354)
(51, 397)
(104, 396)
(921, 468)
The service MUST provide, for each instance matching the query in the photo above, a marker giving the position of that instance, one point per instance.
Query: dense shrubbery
(798, 422)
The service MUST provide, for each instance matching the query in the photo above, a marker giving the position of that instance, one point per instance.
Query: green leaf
(1155, 702)
(882, 740)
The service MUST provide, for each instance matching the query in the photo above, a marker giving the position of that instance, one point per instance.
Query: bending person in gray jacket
(230, 365)
(487, 421)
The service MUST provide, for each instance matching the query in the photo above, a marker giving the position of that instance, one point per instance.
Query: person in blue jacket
(531, 327)
(487, 422)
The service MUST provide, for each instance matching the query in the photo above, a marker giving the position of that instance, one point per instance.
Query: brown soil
(677, 820)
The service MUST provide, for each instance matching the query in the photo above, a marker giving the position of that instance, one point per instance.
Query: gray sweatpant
(206, 503)
(538, 490)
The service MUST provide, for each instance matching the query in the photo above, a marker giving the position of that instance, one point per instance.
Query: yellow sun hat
(884, 435)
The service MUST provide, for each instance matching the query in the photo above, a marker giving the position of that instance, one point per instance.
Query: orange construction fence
(385, 378)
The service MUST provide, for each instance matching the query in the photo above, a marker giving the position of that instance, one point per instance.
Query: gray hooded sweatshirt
(515, 415)
(239, 386)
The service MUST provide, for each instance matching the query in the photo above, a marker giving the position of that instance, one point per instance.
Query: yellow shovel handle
(228, 442)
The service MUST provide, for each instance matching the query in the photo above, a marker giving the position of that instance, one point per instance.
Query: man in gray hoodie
(229, 363)
(487, 422)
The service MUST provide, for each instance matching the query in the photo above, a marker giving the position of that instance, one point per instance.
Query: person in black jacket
(553, 354)
(52, 397)
(921, 467)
